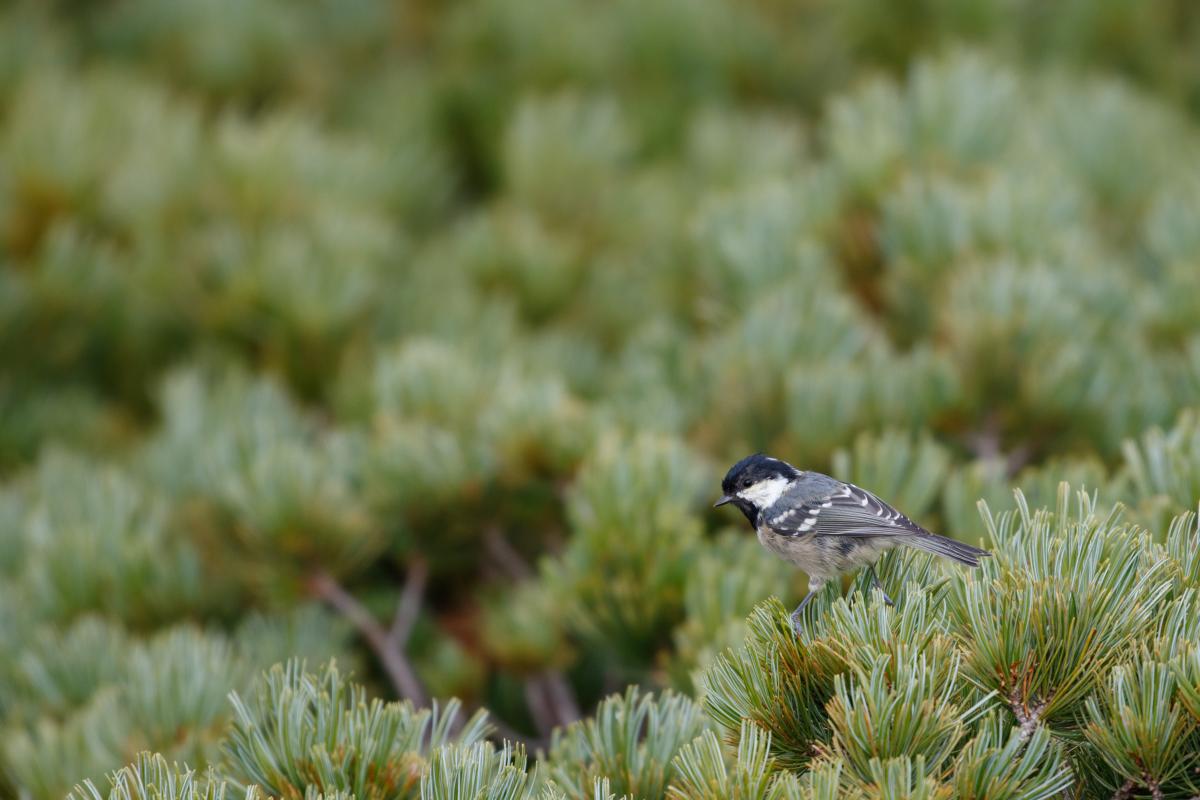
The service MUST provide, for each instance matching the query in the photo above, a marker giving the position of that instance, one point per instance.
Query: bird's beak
(724, 499)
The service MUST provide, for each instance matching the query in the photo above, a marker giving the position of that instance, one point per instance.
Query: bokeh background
(312, 311)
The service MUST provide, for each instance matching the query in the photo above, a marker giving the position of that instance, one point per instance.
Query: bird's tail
(947, 548)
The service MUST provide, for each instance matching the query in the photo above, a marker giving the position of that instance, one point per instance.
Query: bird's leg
(875, 582)
(813, 587)
(797, 614)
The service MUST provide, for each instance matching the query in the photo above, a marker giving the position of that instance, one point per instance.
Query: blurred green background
(480, 298)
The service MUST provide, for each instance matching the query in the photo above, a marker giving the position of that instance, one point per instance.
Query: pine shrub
(409, 342)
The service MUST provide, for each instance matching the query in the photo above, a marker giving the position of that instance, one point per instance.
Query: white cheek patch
(764, 493)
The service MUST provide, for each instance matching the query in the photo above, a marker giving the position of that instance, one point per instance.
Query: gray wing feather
(838, 509)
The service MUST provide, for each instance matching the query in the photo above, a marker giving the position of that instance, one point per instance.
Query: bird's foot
(798, 614)
(876, 584)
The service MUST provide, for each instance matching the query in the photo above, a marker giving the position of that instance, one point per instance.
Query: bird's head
(755, 483)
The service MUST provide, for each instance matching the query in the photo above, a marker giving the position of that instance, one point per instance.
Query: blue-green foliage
(330, 293)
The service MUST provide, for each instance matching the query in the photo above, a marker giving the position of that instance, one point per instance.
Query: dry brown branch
(388, 645)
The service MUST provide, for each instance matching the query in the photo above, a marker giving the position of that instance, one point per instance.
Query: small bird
(824, 526)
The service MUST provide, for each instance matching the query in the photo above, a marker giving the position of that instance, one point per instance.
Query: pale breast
(823, 557)
(807, 551)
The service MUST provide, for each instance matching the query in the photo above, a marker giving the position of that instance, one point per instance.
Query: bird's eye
(745, 483)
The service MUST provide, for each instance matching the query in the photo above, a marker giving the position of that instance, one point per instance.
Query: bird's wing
(848, 510)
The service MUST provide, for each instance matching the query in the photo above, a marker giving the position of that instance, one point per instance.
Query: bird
(825, 526)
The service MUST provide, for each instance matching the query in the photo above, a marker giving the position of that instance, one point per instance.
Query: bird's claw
(876, 584)
(798, 614)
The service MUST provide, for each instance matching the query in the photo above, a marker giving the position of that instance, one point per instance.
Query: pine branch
(985, 443)
(296, 731)
(478, 771)
(999, 763)
(551, 701)
(548, 693)
(151, 776)
(632, 740)
(501, 551)
(388, 645)
(409, 606)
(1126, 790)
(1028, 715)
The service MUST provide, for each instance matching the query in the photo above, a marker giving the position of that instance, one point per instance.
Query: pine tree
(409, 341)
